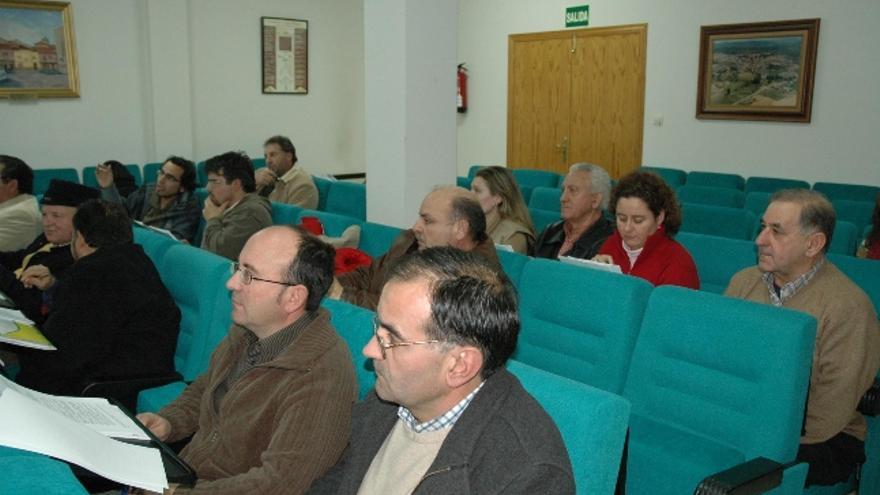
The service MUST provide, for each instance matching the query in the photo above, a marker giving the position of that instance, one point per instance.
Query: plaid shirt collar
(788, 290)
(446, 419)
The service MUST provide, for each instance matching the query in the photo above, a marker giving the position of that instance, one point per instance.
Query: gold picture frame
(758, 71)
(37, 50)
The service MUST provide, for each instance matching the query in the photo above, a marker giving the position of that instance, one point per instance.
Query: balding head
(450, 216)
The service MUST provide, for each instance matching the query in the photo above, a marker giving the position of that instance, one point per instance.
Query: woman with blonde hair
(507, 218)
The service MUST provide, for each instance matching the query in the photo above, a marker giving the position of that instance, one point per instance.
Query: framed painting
(285, 48)
(37, 50)
(758, 71)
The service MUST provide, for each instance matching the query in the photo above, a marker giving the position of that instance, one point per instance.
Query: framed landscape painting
(37, 51)
(757, 71)
(285, 55)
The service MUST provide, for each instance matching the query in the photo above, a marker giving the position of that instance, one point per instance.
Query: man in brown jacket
(793, 273)
(449, 216)
(273, 411)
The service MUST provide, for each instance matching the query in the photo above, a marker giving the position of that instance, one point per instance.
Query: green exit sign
(577, 16)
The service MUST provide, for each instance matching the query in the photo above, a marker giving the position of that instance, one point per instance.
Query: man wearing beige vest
(793, 273)
(282, 180)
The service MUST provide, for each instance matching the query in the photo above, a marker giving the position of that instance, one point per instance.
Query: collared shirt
(181, 217)
(571, 236)
(446, 419)
(787, 291)
(261, 351)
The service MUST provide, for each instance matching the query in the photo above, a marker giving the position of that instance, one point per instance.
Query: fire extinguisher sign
(577, 16)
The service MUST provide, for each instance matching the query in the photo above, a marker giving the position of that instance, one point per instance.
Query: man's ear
(294, 298)
(816, 243)
(465, 362)
(461, 230)
(597, 200)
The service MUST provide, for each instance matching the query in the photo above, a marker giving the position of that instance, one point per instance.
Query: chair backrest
(773, 184)
(543, 218)
(135, 170)
(536, 178)
(323, 186)
(735, 223)
(155, 245)
(258, 162)
(709, 195)
(285, 214)
(347, 198)
(201, 175)
(714, 381)
(851, 192)
(42, 177)
(376, 238)
(355, 325)
(673, 176)
(858, 213)
(864, 272)
(592, 423)
(151, 170)
(29, 473)
(545, 198)
(579, 323)
(716, 179)
(717, 258)
(196, 279)
(463, 182)
(472, 171)
(845, 239)
(512, 263)
(757, 202)
(334, 224)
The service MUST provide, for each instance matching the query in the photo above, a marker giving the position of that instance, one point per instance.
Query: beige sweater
(847, 351)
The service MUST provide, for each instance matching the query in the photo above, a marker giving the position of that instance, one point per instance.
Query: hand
(158, 425)
(264, 177)
(604, 258)
(104, 174)
(335, 291)
(37, 276)
(213, 210)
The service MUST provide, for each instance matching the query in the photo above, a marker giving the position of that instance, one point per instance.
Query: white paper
(596, 265)
(14, 315)
(157, 229)
(26, 424)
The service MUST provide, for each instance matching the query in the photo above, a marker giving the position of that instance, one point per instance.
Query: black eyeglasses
(383, 346)
(247, 277)
(161, 173)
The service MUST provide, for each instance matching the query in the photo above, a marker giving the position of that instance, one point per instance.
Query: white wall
(148, 89)
(840, 144)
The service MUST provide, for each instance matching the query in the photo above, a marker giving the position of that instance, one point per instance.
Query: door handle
(563, 147)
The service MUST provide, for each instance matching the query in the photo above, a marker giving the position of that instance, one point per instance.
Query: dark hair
(651, 189)
(465, 206)
(233, 165)
(817, 213)
(312, 267)
(472, 302)
(103, 223)
(874, 234)
(16, 169)
(188, 179)
(284, 143)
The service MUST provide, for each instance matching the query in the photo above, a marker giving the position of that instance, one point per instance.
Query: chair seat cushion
(151, 400)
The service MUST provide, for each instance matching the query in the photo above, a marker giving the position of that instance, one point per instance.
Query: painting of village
(756, 72)
(37, 55)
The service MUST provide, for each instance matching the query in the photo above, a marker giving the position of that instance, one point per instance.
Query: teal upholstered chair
(512, 263)
(716, 179)
(258, 162)
(376, 238)
(285, 214)
(857, 213)
(472, 171)
(323, 186)
(714, 382)
(734, 223)
(592, 423)
(151, 171)
(347, 198)
(155, 245)
(717, 258)
(28, 473)
(845, 239)
(850, 192)
(355, 325)
(773, 184)
(528, 180)
(201, 175)
(42, 177)
(673, 176)
(710, 195)
(197, 281)
(545, 198)
(757, 202)
(864, 272)
(591, 340)
(334, 223)
(542, 218)
(463, 182)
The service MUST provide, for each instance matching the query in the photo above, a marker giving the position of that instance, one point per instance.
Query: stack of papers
(596, 265)
(17, 329)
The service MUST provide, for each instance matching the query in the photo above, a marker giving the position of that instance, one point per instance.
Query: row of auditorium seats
(632, 344)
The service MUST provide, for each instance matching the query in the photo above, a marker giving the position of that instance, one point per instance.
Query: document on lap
(156, 229)
(16, 329)
(76, 430)
(596, 265)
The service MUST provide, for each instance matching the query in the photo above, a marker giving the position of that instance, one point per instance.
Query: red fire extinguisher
(462, 89)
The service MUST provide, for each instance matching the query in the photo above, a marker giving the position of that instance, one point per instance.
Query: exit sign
(577, 16)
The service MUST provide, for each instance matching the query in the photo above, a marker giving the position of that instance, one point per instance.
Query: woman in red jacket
(648, 216)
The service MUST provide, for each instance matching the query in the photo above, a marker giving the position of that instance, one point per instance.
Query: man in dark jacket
(112, 318)
(445, 416)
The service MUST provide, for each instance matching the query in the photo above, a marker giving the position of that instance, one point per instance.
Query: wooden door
(601, 122)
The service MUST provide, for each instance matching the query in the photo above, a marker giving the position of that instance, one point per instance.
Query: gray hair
(600, 182)
(817, 213)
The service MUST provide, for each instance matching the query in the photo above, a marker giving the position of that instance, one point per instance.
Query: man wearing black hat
(50, 250)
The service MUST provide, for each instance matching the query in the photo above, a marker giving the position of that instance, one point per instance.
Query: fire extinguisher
(462, 89)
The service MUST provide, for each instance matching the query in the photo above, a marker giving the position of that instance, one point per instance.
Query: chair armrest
(755, 476)
(125, 390)
(870, 403)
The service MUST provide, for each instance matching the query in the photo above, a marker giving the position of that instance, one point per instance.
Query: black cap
(65, 193)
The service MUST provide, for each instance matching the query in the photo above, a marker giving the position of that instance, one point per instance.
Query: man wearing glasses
(168, 203)
(445, 416)
(272, 413)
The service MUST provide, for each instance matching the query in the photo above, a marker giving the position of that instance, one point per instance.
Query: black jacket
(30, 301)
(587, 246)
